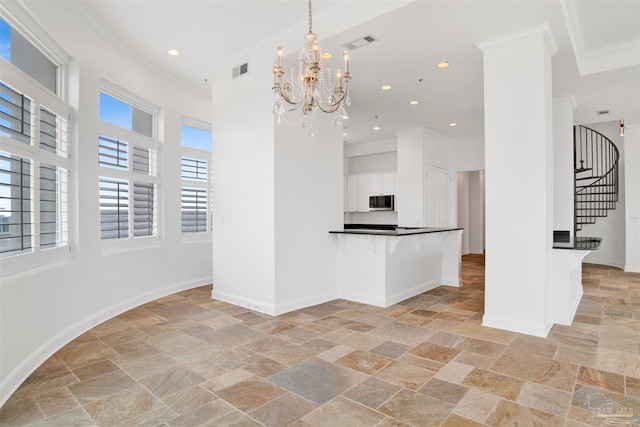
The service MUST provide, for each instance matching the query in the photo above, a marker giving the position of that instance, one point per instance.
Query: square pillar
(518, 110)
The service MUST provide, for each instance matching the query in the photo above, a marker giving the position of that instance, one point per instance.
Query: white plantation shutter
(114, 208)
(144, 209)
(15, 197)
(194, 210)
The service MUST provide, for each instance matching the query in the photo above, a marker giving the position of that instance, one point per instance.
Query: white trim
(597, 60)
(567, 318)
(514, 325)
(46, 350)
(240, 301)
(305, 302)
(542, 30)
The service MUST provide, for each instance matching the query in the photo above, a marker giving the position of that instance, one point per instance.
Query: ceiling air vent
(240, 70)
(362, 41)
(602, 113)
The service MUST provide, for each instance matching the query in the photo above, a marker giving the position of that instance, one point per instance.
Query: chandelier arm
(287, 99)
(332, 107)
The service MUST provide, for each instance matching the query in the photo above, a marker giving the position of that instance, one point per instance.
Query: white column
(563, 174)
(632, 197)
(519, 180)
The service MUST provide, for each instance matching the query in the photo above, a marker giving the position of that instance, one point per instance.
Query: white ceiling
(597, 63)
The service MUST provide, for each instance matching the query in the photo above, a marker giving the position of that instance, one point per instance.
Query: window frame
(133, 139)
(186, 183)
(20, 20)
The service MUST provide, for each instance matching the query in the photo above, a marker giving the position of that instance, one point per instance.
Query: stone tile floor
(188, 360)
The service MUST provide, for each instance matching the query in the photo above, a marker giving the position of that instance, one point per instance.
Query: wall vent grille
(240, 70)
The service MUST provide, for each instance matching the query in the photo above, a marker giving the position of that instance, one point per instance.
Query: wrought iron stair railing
(595, 161)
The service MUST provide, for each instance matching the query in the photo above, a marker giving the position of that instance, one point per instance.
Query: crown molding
(542, 30)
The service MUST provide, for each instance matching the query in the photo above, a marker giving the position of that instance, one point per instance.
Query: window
(20, 52)
(128, 158)
(34, 174)
(196, 177)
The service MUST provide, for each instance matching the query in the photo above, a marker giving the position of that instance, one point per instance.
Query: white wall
(308, 204)
(43, 309)
(410, 194)
(467, 155)
(476, 212)
(563, 174)
(243, 185)
(632, 200)
(471, 201)
(463, 209)
(379, 162)
(612, 227)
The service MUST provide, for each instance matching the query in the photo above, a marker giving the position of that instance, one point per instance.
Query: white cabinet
(359, 187)
(383, 183)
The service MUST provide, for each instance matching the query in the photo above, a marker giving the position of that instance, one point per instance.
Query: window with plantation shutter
(196, 194)
(144, 210)
(194, 169)
(113, 153)
(54, 223)
(194, 210)
(34, 158)
(15, 114)
(15, 205)
(114, 209)
(128, 159)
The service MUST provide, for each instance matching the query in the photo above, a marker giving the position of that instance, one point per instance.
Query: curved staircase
(595, 161)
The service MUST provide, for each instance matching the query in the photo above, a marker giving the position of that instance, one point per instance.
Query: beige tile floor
(188, 360)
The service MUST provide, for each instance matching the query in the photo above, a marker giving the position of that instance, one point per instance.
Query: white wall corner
(542, 30)
(566, 99)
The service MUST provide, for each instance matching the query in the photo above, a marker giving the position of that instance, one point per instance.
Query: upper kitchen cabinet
(383, 184)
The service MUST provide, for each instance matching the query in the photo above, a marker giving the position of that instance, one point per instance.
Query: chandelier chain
(310, 19)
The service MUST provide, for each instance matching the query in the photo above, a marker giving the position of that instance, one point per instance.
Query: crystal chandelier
(310, 93)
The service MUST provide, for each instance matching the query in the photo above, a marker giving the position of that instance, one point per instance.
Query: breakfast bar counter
(382, 267)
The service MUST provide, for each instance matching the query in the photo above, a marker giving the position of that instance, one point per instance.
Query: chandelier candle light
(309, 90)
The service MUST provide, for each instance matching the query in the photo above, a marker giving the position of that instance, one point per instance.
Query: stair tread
(582, 178)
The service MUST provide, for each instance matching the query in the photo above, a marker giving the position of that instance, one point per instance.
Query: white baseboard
(629, 268)
(240, 301)
(388, 300)
(567, 318)
(411, 292)
(514, 325)
(273, 309)
(11, 383)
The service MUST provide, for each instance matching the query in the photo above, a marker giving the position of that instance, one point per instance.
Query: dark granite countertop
(580, 243)
(376, 230)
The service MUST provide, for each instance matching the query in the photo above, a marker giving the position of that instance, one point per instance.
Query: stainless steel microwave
(381, 203)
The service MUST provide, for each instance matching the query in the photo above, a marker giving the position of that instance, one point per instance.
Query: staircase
(595, 161)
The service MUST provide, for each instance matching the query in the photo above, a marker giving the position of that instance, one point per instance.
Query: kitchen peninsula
(382, 267)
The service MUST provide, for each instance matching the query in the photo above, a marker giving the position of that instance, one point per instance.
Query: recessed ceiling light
(453, 124)
(173, 52)
(385, 87)
(413, 102)
(443, 64)
(327, 55)
(345, 117)
(376, 128)
(345, 134)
